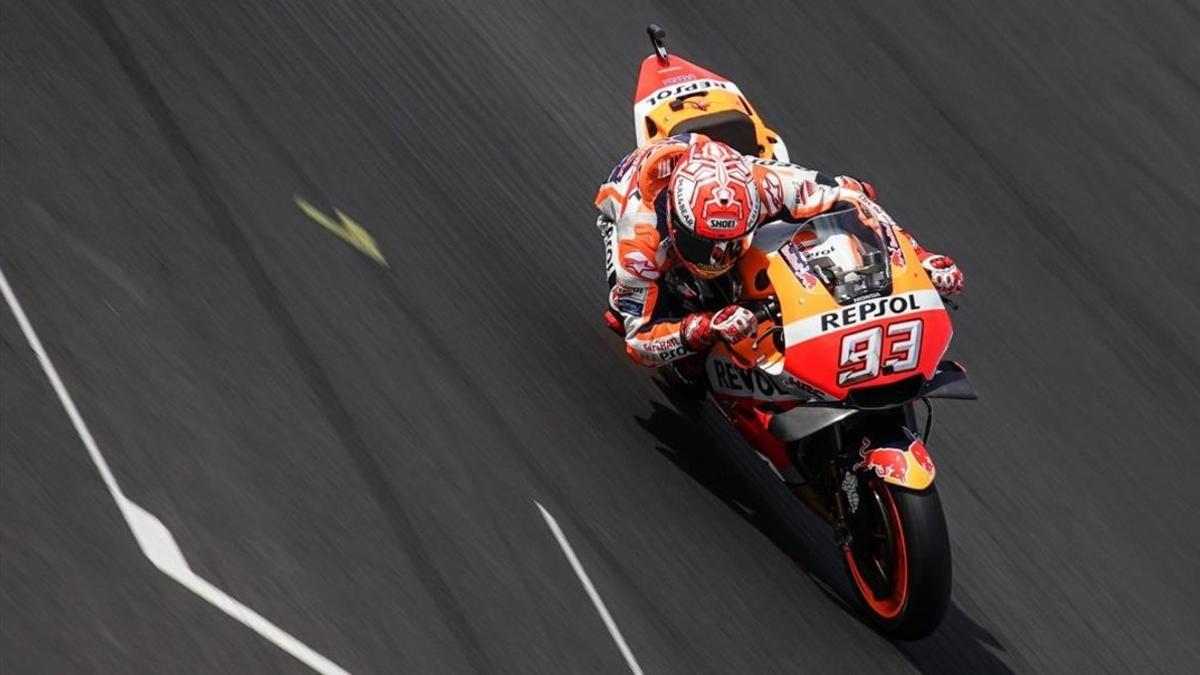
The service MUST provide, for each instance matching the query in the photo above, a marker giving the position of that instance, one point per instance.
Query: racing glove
(944, 274)
(731, 324)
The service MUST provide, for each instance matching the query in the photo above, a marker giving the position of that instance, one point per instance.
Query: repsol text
(870, 310)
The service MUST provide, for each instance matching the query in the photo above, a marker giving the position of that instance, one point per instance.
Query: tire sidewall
(927, 550)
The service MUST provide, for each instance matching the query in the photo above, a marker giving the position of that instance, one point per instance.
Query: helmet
(713, 208)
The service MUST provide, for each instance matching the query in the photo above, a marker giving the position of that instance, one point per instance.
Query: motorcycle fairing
(730, 379)
(815, 326)
(680, 96)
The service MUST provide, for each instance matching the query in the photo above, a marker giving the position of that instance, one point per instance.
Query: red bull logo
(886, 463)
(919, 453)
(910, 467)
(898, 258)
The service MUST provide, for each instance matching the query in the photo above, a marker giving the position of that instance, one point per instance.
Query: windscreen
(844, 252)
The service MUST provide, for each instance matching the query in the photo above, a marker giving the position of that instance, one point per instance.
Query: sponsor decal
(772, 193)
(664, 344)
(626, 300)
(808, 280)
(810, 327)
(850, 489)
(898, 258)
(796, 385)
(885, 462)
(679, 78)
(919, 453)
(889, 237)
(686, 87)
(727, 378)
(665, 349)
(683, 190)
(894, 462)
(722, 223)
(794, 257)
(637, 263)
(870, 310)
(824, 251)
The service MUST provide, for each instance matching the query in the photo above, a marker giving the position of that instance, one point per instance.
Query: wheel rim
(877, 559)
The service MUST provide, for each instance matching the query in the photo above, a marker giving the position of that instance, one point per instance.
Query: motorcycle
(851, 338)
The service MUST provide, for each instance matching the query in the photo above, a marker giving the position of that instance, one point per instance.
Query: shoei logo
(722, 223)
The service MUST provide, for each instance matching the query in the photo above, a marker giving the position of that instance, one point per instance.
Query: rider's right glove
(731, 324)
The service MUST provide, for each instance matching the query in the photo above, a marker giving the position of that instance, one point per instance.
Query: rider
(691, 201)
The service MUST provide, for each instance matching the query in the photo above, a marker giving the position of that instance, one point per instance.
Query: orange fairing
(680, 96)
(655, 76)
(752, 273)
(757, 351)
(879, 341)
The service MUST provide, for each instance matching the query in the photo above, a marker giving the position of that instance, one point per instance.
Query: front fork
(899, 459)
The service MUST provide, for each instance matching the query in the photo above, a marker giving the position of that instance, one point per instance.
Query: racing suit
(632, 203)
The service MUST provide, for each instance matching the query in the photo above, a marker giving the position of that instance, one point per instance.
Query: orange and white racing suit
(632, 204)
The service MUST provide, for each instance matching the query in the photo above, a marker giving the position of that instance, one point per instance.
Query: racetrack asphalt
(357, 451)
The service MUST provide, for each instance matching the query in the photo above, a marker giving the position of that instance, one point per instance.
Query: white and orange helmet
(713, 207)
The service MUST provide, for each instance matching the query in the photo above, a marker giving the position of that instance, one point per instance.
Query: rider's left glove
(734, 324)
(945, 275)
(731, 324)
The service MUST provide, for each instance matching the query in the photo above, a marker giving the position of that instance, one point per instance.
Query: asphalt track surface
(355, 451)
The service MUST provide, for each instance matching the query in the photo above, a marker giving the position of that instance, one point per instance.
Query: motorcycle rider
(692, 202)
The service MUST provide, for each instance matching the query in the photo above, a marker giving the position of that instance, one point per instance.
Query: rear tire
(899, 560)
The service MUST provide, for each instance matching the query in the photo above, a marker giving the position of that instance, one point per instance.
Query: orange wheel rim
(889, 605)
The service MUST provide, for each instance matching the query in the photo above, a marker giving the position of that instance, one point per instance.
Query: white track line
(591, 590)
(152, 536)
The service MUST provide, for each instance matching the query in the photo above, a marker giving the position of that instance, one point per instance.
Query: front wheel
(898, 558)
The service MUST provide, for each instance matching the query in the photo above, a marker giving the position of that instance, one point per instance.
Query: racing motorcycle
(851, 339)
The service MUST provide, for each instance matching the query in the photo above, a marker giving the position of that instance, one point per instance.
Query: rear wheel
(899, 559)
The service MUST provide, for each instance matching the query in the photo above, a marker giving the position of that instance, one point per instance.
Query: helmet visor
(708, 258)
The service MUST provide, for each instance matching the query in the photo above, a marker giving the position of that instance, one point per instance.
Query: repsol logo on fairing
(699, 85)
(870, 310)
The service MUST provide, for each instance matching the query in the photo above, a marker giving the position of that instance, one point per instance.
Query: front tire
(898, 559)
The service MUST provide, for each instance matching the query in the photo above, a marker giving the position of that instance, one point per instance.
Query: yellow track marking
(347, 230)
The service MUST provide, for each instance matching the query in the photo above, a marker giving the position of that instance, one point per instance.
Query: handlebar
(767, 310)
